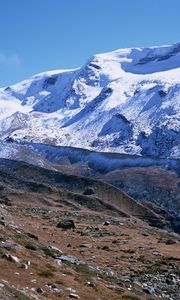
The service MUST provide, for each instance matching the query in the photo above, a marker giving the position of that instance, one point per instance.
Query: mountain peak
(80, 107)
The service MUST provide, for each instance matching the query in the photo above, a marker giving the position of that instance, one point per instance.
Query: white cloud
(10, 60)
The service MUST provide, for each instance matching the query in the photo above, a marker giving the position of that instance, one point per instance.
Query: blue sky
(39, 35)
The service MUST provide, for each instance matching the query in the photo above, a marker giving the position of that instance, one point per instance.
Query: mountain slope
(60, 188)
(125, 101)
(105, 254)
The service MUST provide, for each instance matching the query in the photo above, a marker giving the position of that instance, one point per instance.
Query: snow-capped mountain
(125, 101)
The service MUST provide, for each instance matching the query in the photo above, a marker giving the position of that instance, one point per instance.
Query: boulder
(88, 191)
(66, 224)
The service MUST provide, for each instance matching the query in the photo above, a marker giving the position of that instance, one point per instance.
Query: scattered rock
(39, 290)
(149, 290)
(166, 241)
(2, 223)
(145, 234)
(53, 288)
(115, 287)
(156, 253)
(71, 259)
(25, 265)
(106, 248)
(116, 241)
(71, 290)
(85, 245)
(170, 242)
(89, 191)
(55, 249)
(74, 296)
(90, 284)
(66, 224)
(9, 246)
(11, 258)
(106, 223)
(33, 236)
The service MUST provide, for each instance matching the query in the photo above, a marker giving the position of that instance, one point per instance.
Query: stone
(66, 224)
(71, 259)
(71, 290)
(39, 290)
(106, 223)
(156, 253)
(11, 258)
(74, 296)
(9, 246)
(115, 287)
(149, 290)
(88, 191)
(106, 248)
(53, 288)
(56, 249)
(25, 265)
(85, 245)
(170, 242)
(90, 284)
(33, 236)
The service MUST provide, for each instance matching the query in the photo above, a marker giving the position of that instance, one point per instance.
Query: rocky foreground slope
(125, 101)
(55, 244)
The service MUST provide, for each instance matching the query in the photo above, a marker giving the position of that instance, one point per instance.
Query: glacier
(125, 101)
